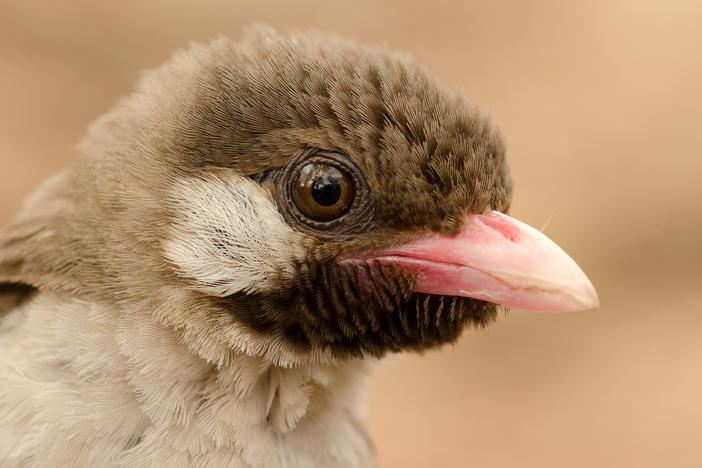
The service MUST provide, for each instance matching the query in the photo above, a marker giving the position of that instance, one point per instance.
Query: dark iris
(326, 190)
(322, 192)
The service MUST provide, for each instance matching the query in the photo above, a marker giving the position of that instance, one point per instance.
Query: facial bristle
(355, 310)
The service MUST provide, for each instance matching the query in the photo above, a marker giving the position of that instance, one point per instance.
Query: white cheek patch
(228, 237)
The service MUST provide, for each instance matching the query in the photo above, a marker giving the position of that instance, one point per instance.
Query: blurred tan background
(601, 106)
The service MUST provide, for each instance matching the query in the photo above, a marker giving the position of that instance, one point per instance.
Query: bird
(241, 240)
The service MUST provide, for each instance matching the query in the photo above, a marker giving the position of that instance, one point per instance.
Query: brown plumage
(167, 304)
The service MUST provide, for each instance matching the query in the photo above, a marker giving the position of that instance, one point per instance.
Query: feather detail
(133, 395)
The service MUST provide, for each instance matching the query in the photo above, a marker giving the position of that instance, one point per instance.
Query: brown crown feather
(428, 156)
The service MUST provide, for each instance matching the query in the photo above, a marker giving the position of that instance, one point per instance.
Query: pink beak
(497, 259)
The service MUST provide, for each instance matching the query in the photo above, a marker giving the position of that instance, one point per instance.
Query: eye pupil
(326, 190)
(323, 192)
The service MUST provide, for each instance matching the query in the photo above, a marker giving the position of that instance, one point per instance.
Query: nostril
(502, 225)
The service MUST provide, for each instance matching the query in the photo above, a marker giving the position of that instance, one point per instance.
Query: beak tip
(594, 300)
(588, 298)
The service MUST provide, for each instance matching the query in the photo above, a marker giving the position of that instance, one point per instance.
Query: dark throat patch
(352, 310)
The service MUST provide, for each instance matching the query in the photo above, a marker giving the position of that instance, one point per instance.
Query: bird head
(302, 198)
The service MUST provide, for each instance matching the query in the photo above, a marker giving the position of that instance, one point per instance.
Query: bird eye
(322, 192)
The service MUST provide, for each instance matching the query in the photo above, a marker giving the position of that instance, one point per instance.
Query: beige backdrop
(600, 104)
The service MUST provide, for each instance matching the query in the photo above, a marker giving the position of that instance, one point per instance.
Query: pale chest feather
(87, 385)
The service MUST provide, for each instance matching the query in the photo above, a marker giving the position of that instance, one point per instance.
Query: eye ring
(357, 215)
(322, 192)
